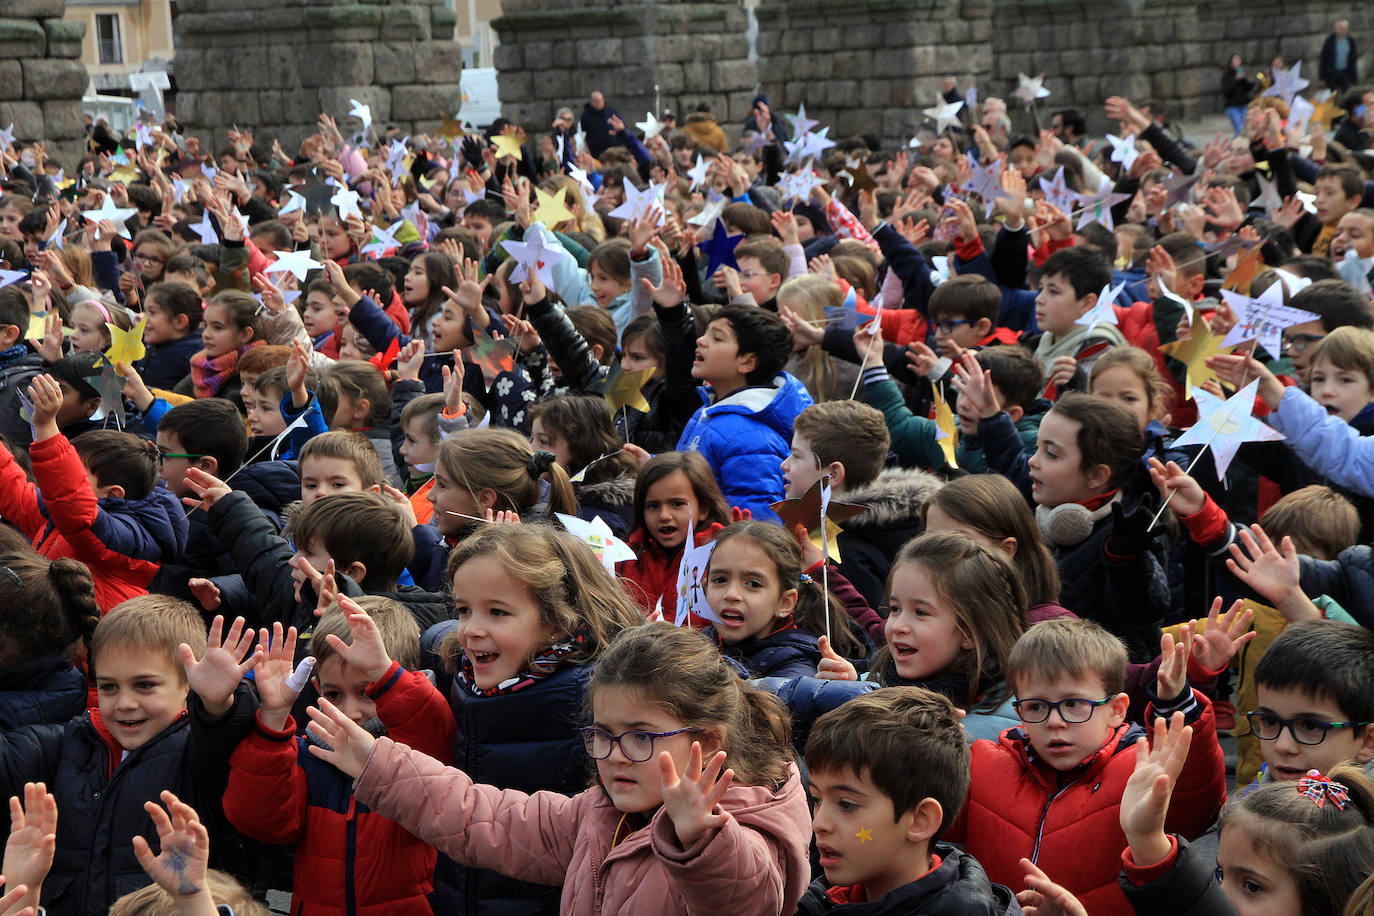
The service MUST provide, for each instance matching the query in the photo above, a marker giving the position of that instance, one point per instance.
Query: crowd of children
(465, 524)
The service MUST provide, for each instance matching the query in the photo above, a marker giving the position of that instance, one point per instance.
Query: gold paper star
(859, 177)
(124, 174)
(1243, 274)
(625, 389)
(864, 835)
(948, 435)
(552, 209)
(1325, 111)
(806, 510)
(126, 346)
(450, 128)
(1194, 353)
(507, 146)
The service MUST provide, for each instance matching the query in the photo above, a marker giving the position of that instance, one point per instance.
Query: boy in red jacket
(1050, 791)
(348, 859)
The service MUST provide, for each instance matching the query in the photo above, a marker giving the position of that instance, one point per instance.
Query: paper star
(711, 212)
(864, 835)
(449, 129)
(111, 388)
(12, 276)
(1194, 353)
(720, 249)
(986, 182)
(939, 269)
(691, 597)
(1294, 283)
(109, 211)
(1326, 110)
(7, 136)
(638, 203)
(1123, 150)
(209, 171)
(1287, 83)
(947, 430)
(971, 99)
(297, 263)
(346, 200)
(813, 144)
(1103, 311)
(1167, 293)
(801, 124)
(382, 239)
(178, 188)
(856, 175)
(1225, 425)
(492, 356)
(1309, 201)
(533, 254)
(143, 135)
(1243, 274)
(58, 237)
(396, 160)
(697, 173)
(651, 126)
(38, 326)
(126, 346)
(806, 510)
(1097, 208)
(944, 114)
(1268, 199)
(847, 316)
(1028, 90)
(296, 202)
(608, 548)
(798, 185)
(362, 113)
(626, 389)
(507, 147)
(1263, 319)
(914, 143)
(552, 209)
(205, 229)
(1057, 193)
(1179, 187)
(579, 140)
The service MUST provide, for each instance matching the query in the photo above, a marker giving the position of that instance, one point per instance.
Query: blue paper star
(720, 249)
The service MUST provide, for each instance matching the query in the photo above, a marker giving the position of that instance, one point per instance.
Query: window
(107, 38)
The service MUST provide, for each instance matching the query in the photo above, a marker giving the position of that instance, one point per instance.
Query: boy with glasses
(1316, 700)
(1050, 791)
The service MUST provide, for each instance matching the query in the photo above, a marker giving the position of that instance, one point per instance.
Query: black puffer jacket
(1189, 888)
(610, 500)
(869, 541)
(41, 691)
(957, 887)
(786, 653)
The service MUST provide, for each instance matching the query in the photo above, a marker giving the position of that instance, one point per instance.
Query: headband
(100, 305)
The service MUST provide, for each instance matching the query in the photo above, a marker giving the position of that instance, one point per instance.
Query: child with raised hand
(99, 504)
(697, 794)
(672, 490)
(535, 610)
(347, 857)
(954, 610)
(770, 613)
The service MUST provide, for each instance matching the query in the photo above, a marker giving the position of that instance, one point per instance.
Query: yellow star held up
(1194, 353)
(626, 390)
(38, 326)
(126, 346)
(864, 835)
(948, 435)
(507, 146)
(806, 510)
(1325, 111)
(450, 128)
(552, 209)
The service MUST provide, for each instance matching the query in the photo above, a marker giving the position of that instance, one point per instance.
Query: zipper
(1044, 813)
(350, 857)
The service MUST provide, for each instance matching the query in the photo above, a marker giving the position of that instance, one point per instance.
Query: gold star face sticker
(1243, 274)
(626, 389)
(948, 431)
(553, 208)
(507, 147)
(806, 510)
(1194, 353)
(126, 346)
(864, 835)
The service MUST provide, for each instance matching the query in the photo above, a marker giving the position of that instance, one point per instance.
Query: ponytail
(75, 589)
(49, 605)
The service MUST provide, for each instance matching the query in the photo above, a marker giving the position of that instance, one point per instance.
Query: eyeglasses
(1305, 730)
(1299, 342)
(636, 746)
(163, 455)
(149, 258)
(751, 274)
(1073, 710)
(947, 325)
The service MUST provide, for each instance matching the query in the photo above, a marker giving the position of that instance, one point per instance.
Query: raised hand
(1187, 495)
(208, 488)
(409, 360)
(803, 331)
(217, 673)
(272, 299)
(1172, 678)
(921, 358)
(691, 799)
(46, 395)
(32, 841)
(1145, 801)
(1062, 370)
(180, 868)
(367, 653)
(206, 593)
(1275, 574)
(1042, 897)
(1214, 648)
(272, 675)
(347, 745)
(453, 385)
(672, 290)
(51, 346)
(833, 666)
(975, 383)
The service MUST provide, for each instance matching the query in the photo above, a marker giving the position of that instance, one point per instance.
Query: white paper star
(1098, 207)
(1287, 83)
(109, 211)
(296, 263)
(1103, 311)
(532, 254)
(798, 185)
(1300, 111)
(710, 212)
(1268, 199)
(697, 173)
(296, 202)
(945, 114)
(1167, 293)
(1029, 90)
(362, 113)
(608, 548)
(57, 239)
(209, 171)
(1057, 193)
(1308, 201)
(800, 122)
(1263, 319)
(1123, 150)
(396, 160)
(1292, 281)
(637, 202)
(383, 239)
(12, 276)
(345, 200)
(1225, 425)
(143, 135)
(7, 136)
(651, 126)
(178, 188)
(206, 230)
(986, 182)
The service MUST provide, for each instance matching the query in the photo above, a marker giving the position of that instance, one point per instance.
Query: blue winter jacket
(165, 364)
(41, 691)
(744, 437)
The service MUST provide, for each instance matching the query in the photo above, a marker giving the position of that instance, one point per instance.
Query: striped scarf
(210, 373)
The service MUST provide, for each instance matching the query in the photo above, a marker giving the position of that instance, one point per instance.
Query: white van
(481, 105)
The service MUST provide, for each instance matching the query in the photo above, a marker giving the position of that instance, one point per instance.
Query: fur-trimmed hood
(895, 499)
(617, 491)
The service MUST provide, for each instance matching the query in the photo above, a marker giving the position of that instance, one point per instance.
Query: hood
(271, 485)
(618, 491)
(776, 404)
(161, 514)
(701, 117)
(896, 498)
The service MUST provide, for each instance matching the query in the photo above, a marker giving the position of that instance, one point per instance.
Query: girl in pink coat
(661, 833)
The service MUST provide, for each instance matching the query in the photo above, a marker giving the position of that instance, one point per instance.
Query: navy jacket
(165, 364)
(40, 691)
(786, 653)
(957, 887)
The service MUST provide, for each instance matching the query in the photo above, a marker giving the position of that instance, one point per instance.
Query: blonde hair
(503, 461)
(1158, 394)
(1320, 521)
(1349, 348)
(809, 296)
(573, 591)
(154, 901)
(397, 626)
(1062, 648)
(157, 623)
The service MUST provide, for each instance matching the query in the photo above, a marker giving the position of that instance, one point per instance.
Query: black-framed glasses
(637, 746)
(163, 455)
(1073, 710)
(1304, 729)
(1296, 343)
(947, 325)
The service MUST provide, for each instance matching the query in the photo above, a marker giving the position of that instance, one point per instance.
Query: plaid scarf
(544, 664)
(211, 373)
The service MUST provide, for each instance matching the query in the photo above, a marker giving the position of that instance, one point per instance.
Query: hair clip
(1321, 790)
(804, 579)
(13, 575)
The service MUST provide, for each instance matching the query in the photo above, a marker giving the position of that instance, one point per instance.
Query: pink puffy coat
(755, 865)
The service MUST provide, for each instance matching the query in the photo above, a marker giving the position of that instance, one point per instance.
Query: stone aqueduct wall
(42, 78)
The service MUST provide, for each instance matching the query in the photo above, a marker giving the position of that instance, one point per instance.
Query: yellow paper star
(450, 128)
(1325, 111)
(507, 146)
(864, 835)
(1243, 274)
(552, 209)
(948, 435)
(124, 175)
(126, 346)
(626, 390)
(38, 326)
(1194, 353)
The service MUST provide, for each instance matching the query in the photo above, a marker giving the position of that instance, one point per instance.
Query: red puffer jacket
(651, 576)
(349, 859)
(1068, 823)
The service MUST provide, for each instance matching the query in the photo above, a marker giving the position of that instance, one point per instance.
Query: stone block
(302, 106)
(443, 22)
(339, 64)
(11, 81)
(21, 38)
(35, 9)
(241, 108)
(733, 74)
(437, 62)
(62, 119)
(508, 57)
(64, 37)
(404, 23)
(351, 22)
(417, 102)
(54, 78)
(393, 63)
(272, 105)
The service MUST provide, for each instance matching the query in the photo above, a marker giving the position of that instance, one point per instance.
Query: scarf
(544, 664)
(211, 373)
(13, 353)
